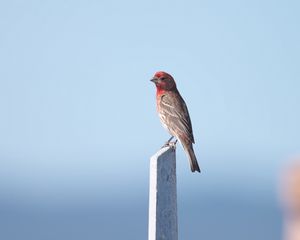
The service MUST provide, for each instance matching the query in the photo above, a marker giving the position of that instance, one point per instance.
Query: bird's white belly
(163, 122)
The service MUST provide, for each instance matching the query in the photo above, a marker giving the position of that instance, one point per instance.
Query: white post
(163, 196)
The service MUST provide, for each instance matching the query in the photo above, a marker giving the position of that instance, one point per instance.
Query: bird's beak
(155, 80)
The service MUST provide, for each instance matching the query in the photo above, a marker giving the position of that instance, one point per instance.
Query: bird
(174, 115)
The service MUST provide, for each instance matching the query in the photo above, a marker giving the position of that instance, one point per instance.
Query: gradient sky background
(78, 119)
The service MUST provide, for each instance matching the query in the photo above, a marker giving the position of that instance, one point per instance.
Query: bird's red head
(164, 81)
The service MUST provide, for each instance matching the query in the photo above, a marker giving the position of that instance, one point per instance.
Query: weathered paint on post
(163, 196)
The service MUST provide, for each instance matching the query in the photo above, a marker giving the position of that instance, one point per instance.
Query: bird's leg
(170, 140)
(169, 143)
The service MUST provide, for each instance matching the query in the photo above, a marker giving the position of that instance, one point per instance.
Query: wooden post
(163, 196)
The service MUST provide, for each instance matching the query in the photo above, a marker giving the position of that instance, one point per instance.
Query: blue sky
(78, 110)
(75, 82)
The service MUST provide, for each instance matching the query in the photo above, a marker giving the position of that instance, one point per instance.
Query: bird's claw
(170, 144)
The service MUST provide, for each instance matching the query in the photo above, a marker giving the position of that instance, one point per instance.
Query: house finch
(174, 114)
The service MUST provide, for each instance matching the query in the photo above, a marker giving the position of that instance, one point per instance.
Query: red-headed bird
(174, 115)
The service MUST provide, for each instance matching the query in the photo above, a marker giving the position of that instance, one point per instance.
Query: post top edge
(162, 151)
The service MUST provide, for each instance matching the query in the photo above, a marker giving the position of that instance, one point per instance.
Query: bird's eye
(163, 78)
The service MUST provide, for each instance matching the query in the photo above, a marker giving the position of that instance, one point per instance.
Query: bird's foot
(170, 144)
(173, 144)
(167, 143)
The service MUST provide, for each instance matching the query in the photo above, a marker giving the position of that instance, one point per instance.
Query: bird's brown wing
(176, 116)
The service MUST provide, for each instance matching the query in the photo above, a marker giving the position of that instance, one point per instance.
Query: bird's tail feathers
(192, 157)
